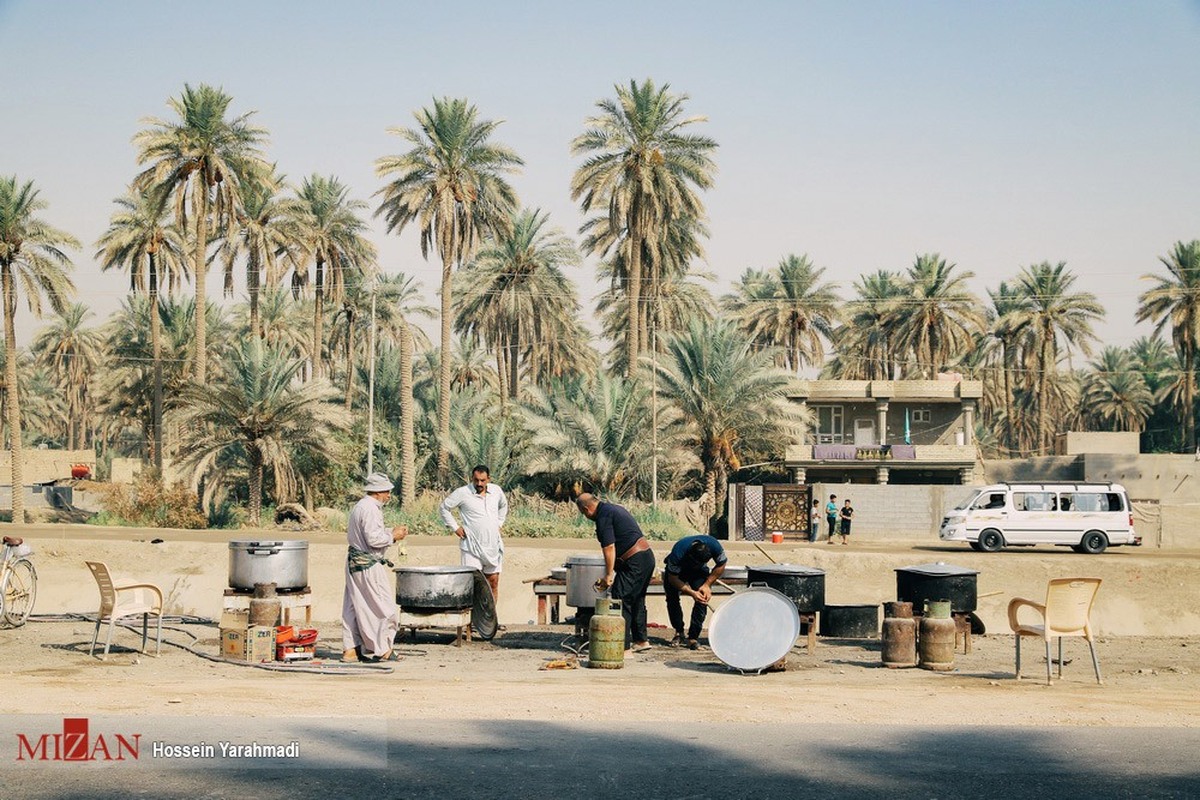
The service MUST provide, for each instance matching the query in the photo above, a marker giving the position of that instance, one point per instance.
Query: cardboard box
(254, 644)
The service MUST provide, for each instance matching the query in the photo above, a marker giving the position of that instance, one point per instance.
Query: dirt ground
(1146, 616)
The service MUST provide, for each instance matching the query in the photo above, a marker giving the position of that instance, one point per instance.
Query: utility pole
(371, 386)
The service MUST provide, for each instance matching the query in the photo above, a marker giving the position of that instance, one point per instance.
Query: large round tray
(754, 629)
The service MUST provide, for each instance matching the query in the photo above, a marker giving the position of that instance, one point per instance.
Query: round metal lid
(788, 569)
(938, 568)
(272, 544)
(447, 570)
(754, 628)
(584, 561)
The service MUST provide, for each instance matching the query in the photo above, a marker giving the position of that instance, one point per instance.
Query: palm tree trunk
(710, 491)
(201, 271)
(1189, 394)
(407, 454)
(514, 358)
(318, 317)
(17, 478)
(1008, 398)
(443, 409)
(502, 368)
(349, 361)
(1044, 399)
(156, 411)
(632, 345)
(256, 484)
(252, 287)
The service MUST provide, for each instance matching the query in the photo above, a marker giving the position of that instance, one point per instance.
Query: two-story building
(887, 431)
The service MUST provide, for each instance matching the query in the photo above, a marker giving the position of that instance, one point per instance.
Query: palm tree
(451, 184)
(253, 418)
(866, 343)
(789, 309)
(402, 304)
(642, 169)
(141, 240)
(1010, 329)
(284, 322)
(593, 433)
(733, 395)
(333, 235)
(514, 294)
(941, 316)
(268, 236)
(202, 160)
(1115, 393)
(1052, 313)
(74, 353)
(1175, 299)
(31, 255)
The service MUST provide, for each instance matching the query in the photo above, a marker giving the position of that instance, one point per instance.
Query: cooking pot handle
(263, 551)
(757, 584)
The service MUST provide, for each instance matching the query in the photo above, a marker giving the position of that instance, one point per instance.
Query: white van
(1087, 517)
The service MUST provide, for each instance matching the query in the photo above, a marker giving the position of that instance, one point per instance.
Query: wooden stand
(810, 619)
(459, 620)
(239, 600)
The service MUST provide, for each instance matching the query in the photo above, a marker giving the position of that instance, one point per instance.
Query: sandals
(676, 641)
(641, 648)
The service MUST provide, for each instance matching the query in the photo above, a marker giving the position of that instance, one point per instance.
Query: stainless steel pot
(582, 572)
(283, 563)
(737, 574)
(434, 588)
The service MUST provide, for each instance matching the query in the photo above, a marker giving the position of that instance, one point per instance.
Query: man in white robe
(482, 508)
(369, 618)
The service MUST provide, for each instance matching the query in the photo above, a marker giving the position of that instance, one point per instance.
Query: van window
(1092, 502)
(1034, 501)
(989, 500)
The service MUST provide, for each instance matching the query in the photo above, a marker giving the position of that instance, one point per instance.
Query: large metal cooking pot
(735, 574)
(582, 572)
(804, 585)
(754, 629)
(435, 588)
(937, 581)
(283, 563)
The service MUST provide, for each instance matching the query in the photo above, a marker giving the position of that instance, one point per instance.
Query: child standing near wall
(847, 516)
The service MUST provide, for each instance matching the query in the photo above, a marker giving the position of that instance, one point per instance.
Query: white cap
(377, 482)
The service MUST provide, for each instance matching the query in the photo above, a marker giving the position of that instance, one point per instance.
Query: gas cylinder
(936, 645)
(899, 635)
(606, 636)
(264, 605)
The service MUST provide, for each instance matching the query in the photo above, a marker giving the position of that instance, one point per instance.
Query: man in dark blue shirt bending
(687, 573)
(628, 564)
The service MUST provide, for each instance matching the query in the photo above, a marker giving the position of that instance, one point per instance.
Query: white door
(864, 431)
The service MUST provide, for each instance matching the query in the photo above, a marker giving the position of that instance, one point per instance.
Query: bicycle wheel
(19, 590)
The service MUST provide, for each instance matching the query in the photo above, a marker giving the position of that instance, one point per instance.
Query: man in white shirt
(369, 618)
(482, 509)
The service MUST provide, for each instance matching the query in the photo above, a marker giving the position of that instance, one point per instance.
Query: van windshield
(970, 501)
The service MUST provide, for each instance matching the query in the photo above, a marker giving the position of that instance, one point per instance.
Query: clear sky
(860, 133)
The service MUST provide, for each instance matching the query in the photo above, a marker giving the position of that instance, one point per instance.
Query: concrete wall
(1156, 476)
(894, 512)
(1044, 468)
(1073, 443)
(47, 466)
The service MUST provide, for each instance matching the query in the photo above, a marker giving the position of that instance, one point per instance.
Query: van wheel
(1094, 542)
(991, 541)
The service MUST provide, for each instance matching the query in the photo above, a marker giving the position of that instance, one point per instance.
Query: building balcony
(895, 456)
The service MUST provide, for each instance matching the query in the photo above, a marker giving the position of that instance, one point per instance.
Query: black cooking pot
(938, 581)
(804, 586)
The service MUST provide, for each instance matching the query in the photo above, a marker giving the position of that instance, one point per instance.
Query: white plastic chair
(125, 600)
(1066, 612)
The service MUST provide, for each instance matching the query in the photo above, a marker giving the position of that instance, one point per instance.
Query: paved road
(505, 759)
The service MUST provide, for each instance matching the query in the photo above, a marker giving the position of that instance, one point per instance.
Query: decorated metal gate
(756, 512)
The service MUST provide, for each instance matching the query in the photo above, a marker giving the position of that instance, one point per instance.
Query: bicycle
(18, 582)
